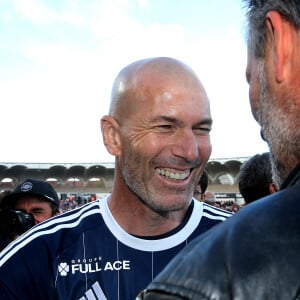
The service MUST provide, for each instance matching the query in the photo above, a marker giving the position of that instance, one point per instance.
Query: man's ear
(280, 39)
(111, 135)
(272, 188)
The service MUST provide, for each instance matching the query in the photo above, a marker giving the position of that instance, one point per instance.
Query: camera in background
(15, 222)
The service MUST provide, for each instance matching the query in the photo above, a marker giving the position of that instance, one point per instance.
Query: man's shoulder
(215, 213)
(205, 216)
(74, 219)
(55, 232)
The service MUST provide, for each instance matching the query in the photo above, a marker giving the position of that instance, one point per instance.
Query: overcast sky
(58, 60)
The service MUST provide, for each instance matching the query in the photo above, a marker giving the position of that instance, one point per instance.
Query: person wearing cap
(33, 201)
(34, 197)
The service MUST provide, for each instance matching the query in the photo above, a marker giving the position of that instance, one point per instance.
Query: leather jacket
(255, 254)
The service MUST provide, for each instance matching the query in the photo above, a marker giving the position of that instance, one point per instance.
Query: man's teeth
(173, 175)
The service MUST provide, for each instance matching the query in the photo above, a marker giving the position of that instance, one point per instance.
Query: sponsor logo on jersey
(91, 265)
(63, 269)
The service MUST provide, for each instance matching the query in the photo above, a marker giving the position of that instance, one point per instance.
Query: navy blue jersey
(85, 254)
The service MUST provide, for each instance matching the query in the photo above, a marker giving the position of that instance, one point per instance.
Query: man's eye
(202, 130)
(165, 126)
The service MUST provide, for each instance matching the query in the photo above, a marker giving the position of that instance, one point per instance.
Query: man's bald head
(142, 79)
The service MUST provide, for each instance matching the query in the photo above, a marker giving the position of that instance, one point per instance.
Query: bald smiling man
(158, 130)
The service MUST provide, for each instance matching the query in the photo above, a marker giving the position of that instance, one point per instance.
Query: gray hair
(256, 16)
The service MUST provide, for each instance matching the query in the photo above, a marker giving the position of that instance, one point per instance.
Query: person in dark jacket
(255, 253)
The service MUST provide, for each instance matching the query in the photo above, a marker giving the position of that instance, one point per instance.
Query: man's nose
(186, 145)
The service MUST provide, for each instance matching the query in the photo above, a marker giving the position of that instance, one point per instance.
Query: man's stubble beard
(277, 124)
(141, 185)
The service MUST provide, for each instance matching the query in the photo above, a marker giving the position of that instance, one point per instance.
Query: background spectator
(30, 203)
(255, 178)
